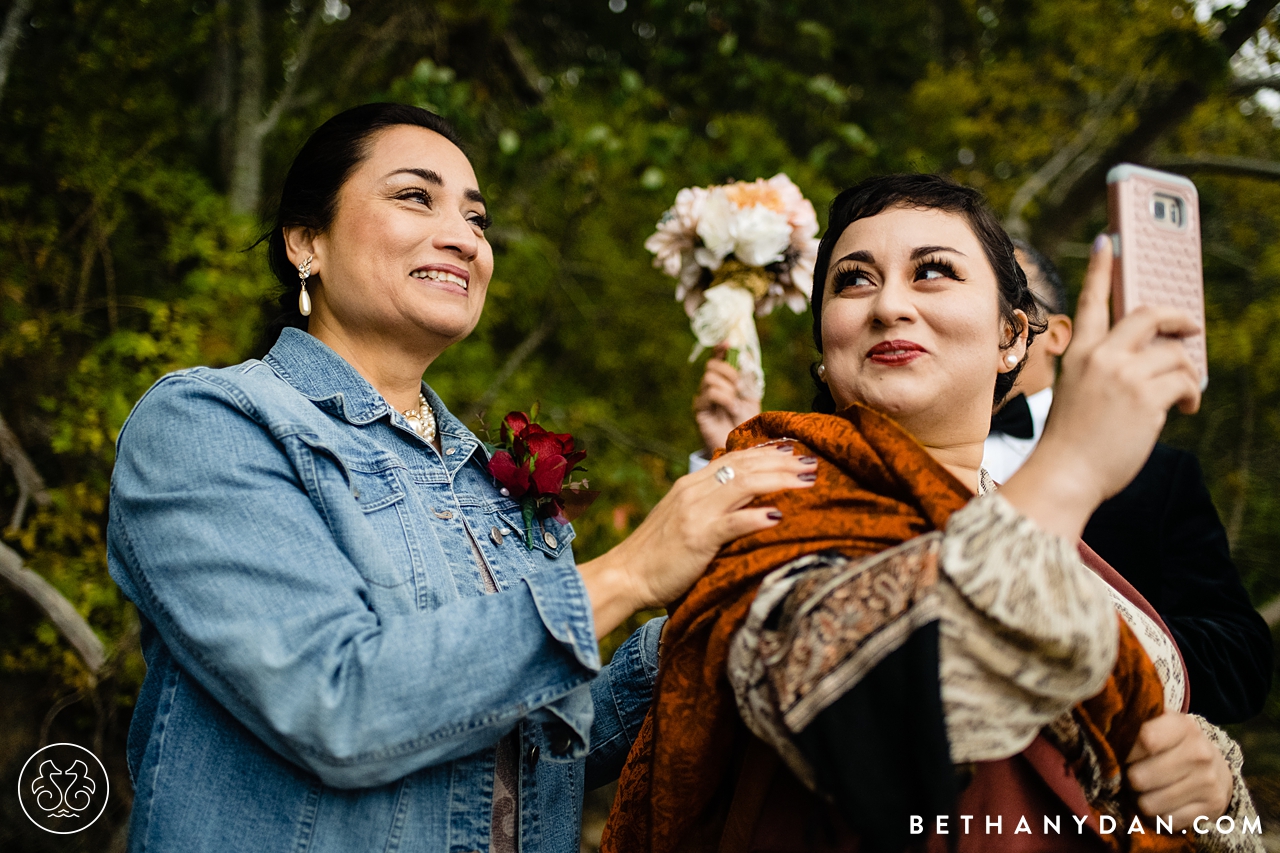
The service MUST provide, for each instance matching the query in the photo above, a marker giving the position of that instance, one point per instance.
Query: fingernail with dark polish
(808, 476)
(786, 448)
(774, 515)
(809, 460)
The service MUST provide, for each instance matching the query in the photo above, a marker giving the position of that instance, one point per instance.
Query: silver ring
(724, 474)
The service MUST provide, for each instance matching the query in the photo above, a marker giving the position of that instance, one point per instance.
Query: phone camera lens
(1159, 210)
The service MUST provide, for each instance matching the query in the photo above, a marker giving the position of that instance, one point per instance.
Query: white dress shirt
(1002, 454)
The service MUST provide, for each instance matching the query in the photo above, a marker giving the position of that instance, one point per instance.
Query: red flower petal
(545, 444)
(513, 424)
(548, 475)
(512, 477)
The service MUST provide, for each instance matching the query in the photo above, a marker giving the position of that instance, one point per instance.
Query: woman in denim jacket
(349, 646)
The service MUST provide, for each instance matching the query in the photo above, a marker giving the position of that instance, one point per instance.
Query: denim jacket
(325, 671)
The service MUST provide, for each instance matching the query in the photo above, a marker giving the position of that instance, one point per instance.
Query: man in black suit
(1162, 533)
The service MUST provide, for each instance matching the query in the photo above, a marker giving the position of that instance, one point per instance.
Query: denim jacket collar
(324, 377)
(327, 379)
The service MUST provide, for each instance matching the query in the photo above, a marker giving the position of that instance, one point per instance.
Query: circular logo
(63, 788)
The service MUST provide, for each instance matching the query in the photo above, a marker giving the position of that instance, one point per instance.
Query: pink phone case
(1155, 223)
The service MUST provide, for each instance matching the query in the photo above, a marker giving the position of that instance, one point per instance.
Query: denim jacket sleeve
(622, 694)
(215, 538)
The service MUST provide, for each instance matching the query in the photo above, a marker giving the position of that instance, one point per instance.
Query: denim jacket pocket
(382, 501)
(549, 536)
(366, 510)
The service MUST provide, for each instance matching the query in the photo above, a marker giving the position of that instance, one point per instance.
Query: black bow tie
(1014, 419)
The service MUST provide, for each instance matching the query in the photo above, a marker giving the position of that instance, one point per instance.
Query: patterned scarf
(877, 489)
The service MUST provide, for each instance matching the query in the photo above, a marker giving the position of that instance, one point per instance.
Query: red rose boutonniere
(535, 467)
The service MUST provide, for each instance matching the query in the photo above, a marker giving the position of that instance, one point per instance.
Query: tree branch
(9, 37)
(1157, 113)
(70, 624)
(371, 50)
(528, 72)
(634, 442)
(30, 483)
(518, 356)
(1224, 164)
(302, 53)
(1247, 86)
(1049, 172)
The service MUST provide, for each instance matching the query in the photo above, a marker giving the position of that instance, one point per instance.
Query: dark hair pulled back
(309, 198)
(927, 192)
(1045, 279)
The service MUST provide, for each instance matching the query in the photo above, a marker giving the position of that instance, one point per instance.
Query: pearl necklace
(422, 421)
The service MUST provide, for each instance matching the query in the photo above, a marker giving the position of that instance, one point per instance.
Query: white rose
(761, 236)
(716, 229)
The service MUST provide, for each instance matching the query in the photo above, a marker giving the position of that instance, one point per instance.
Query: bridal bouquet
(738, 250)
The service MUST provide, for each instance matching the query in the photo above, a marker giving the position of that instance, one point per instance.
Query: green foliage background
(122, 254)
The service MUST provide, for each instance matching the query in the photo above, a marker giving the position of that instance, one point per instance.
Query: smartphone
(1155, 232)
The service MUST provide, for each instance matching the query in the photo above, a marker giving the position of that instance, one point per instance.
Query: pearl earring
(1011, 360)
(822, 372)
(304, 273)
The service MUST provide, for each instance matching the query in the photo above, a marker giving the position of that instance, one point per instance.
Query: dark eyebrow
(860, 255)
(920, 252)
(433, 177)
(426, 175)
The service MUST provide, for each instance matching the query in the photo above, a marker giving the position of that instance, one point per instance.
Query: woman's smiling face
(911, 323)
(406, 253)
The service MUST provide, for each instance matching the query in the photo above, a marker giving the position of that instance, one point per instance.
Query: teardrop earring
(304, 273)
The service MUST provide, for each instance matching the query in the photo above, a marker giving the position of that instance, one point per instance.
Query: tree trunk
(1239, 502)
(9, 37)
(246, 157)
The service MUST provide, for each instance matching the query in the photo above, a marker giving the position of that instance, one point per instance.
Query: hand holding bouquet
(738, 250)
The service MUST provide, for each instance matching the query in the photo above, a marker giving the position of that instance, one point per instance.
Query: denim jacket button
(550, 539)
(534, 752)
(450, 451)
(561, 741)
(495, 535)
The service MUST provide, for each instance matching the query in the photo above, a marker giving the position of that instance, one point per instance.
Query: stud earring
(304, 273)
(1011, 360)
(822, 372)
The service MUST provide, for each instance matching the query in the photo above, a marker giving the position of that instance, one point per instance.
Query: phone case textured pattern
(1157, 265)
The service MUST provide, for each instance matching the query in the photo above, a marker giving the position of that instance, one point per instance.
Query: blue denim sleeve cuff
(562, 601)
(622, 694)
(566, 726)
(647, 647)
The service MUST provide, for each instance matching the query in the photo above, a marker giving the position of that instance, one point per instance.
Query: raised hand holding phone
(1154, 218)
(1110, 403)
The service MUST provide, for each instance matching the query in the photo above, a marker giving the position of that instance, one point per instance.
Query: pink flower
(677, 230)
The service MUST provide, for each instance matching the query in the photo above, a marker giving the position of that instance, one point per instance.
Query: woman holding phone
(910, 644)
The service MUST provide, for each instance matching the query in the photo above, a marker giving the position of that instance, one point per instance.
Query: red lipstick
(895, 353)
